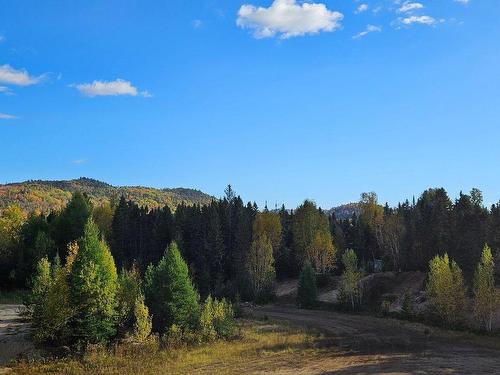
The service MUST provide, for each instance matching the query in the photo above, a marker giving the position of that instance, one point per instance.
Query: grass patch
(261, 346)
(13, 297)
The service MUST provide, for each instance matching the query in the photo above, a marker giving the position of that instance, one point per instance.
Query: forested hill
(44, 196)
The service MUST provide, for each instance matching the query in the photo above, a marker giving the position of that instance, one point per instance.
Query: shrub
(216, 320)
(307, 291)
(407, 307)
(142, 320)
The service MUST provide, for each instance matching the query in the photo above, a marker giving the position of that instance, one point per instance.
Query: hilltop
(45, 196)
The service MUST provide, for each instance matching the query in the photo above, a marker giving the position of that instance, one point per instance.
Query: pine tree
(486, 297)
(170, 294)
(307, 292)
(93, 283)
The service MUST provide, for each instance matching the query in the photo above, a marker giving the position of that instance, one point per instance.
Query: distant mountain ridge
(345, 211)
(45, 196)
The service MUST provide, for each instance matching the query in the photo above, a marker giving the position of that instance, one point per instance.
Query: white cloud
(110, 88)
(196, 24)
(6, 91)
(79, 161)
(361, 8)
(423, 20)
(369, 29)
(287, 18)
(462, 1)
(409, 7)
(4, 116)
(20, 77)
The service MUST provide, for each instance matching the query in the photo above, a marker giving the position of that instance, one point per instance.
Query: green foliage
(127, 293)
(407, 307)
(142, 320)
(216, 320)
(307, 292)
(11, 221)
(93, 288)
(350, 281)
(47, 196)
(260, 268)
(170, 294)
(40, 285)
(69, 225)
(486, 296)
(446, 290)
(312, 238)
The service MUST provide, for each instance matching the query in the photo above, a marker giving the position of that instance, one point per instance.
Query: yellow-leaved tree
(486, 297)
(446, 290)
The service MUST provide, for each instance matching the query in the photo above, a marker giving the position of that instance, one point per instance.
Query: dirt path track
(386, 346)
(14, 335)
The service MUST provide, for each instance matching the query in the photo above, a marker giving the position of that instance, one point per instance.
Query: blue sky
(285, 100)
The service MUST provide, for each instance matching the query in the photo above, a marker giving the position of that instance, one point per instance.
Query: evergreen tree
(93, 283)
(170, 294)
(307, 291)
(486, 297)
(69, 225)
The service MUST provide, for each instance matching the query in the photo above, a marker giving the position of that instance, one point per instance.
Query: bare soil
(369, 345)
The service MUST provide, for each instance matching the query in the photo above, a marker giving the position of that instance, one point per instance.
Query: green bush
(216, 320)
(127, 293)
(142, 320)
(307, 292)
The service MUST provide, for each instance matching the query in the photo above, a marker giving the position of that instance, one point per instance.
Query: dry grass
(261, 347)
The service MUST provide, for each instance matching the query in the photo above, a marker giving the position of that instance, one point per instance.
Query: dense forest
(221, 239)
(46, 196)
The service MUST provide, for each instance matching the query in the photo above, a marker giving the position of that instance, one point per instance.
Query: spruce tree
(307, 291)
(170, 294)
(93, 283)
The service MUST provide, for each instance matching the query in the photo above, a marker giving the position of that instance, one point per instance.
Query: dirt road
(385, 346)
(14, 335)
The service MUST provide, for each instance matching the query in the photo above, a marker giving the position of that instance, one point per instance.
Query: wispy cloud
(79, 161)
(361, 8)
(110, 88)
(2, 38)
(196, 24)
(369, 29)
(462, 1)
(288, 18)
(6, 91)
(410, 7)
(4, 116)
(422, 20)
(19, 77)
